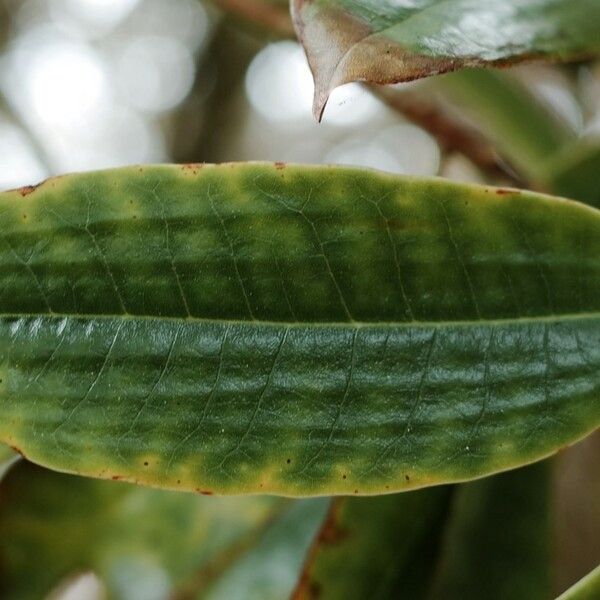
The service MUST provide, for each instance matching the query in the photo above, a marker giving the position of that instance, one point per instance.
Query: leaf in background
(368, 547)
(497, 526)
(576, 513)
(526, 131)
(497, 540)
(573, 172)
(294, 330)
(53, 526)
(586, 589)
(269, 15)
(387, 41)
(270, 569)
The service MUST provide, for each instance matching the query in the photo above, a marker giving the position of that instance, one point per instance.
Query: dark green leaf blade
(395, 531)
(497, 526)
(389, 41)
(298, 330)
(497, 539)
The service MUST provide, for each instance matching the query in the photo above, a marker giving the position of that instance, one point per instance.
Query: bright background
(87, 84)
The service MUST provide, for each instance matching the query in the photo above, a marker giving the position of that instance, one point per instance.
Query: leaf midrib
(315, 324)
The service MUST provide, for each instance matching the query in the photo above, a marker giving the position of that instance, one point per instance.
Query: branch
(266, 15)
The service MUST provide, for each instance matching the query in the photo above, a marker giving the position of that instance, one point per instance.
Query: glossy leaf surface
(53, 526)
(294, 330)
(386, 41)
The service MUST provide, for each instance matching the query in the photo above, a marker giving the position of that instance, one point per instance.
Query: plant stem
(264, 14)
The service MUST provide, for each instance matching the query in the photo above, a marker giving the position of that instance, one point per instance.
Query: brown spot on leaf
(28, 189)
(17, 450)
(193, 167)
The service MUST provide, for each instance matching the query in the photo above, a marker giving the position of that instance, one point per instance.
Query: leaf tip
(319, 103)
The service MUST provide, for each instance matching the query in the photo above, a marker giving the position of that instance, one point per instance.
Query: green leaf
(366, 547)
(573, 172)
(525, 130)
(498, 525)
(297, 331)
(586, 589)
(497, 540)
(269, 571)
(385, 41)
(53, 526)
